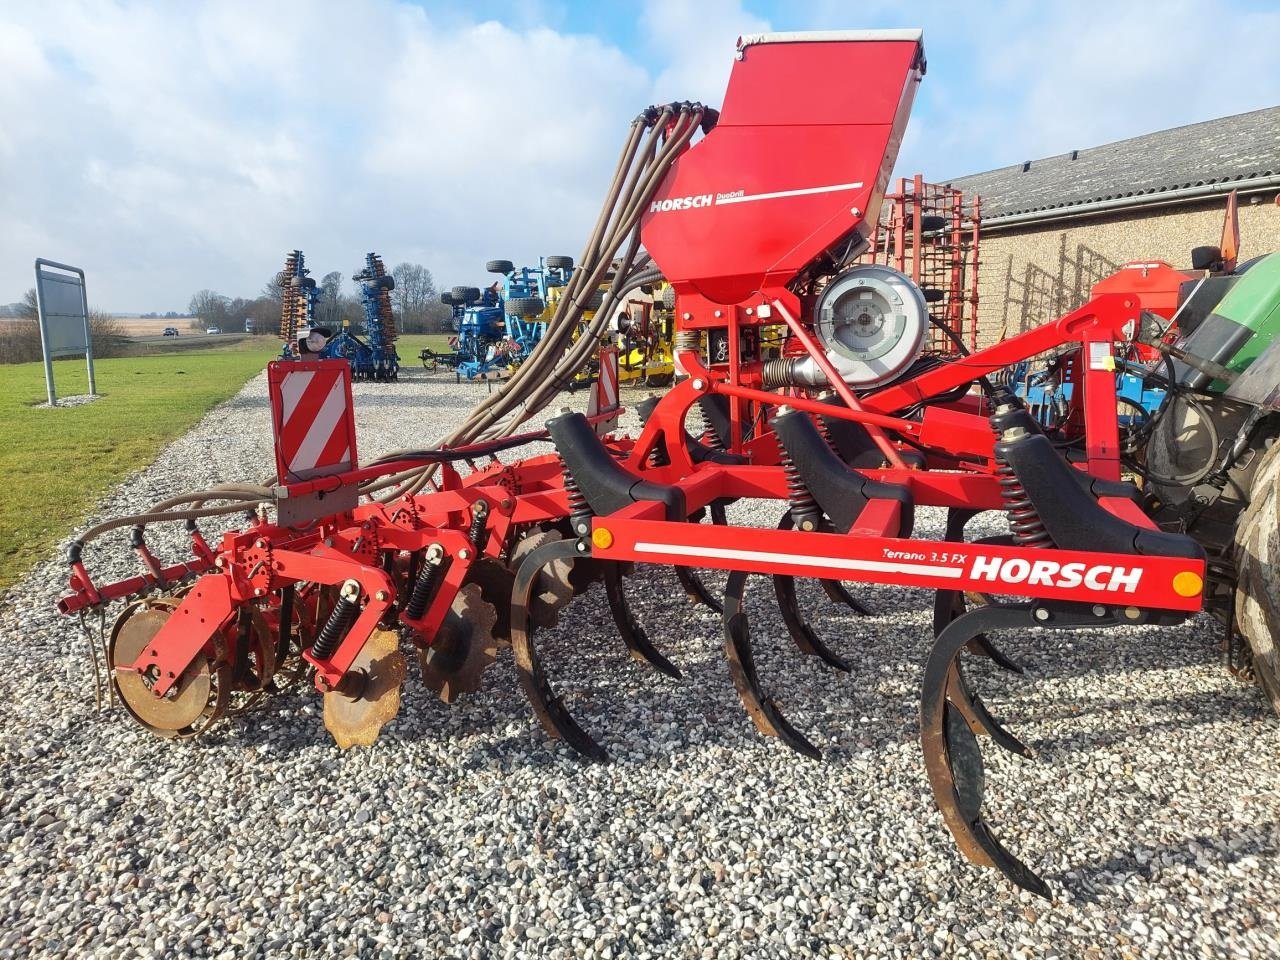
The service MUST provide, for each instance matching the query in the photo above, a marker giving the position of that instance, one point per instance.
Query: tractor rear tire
(1258, 570)
(669, 297)
(525, 306)
(559, 263)
(499, 266)
(595, 301)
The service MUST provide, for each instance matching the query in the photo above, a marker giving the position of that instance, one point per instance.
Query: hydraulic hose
(642, 164)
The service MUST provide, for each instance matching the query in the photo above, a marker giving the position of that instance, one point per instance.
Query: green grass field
(55, 464)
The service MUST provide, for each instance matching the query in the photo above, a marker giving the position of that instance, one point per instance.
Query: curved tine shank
(632, 633)
(555, 719)
(834, 589)
(944, 612)
(947, 606)
(718, 515)
(806, 639)
(975, 714)
(696, 590)
(763, 710)
(836, 592)
(952, 756)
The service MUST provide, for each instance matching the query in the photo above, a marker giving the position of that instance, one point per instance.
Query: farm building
(1051, 228)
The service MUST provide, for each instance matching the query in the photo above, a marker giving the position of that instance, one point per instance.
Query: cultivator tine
(632, 633)
(834, 589)
(762, 709)
(952, 755)
(551, 711)
(805, 637)
(696, 590)
(948, 605)
(979, 719)
(836, 592)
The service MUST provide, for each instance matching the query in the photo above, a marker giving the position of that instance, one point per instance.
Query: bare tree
(29, 309)
(273, 289)
(209, 307)
(415, 291)
(329, 301)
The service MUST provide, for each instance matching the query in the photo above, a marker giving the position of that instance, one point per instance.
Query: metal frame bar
(44, 328)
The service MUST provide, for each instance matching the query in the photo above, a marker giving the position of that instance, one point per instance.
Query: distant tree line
(414, 301)
(20, 336)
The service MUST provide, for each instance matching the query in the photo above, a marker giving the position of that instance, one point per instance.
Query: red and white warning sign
(312, 418)
(604, 397)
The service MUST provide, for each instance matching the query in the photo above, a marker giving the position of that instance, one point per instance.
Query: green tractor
(1209, 452)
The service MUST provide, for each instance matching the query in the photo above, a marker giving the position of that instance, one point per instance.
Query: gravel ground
(1151, 808)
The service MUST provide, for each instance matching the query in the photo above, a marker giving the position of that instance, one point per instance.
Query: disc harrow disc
(463, 647)
(369, 697)
(194, 702)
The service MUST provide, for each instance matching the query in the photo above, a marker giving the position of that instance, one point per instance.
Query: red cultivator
(760, 223)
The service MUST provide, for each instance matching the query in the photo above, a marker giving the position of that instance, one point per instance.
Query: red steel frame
(742, 287)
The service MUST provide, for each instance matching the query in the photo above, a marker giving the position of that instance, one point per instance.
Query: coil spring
(824, 430)
(335, 628)
(424, 587)
(804, 509)
(479, 525)
(579, 510)
(1024, 520)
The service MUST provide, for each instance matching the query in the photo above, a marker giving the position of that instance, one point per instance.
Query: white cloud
(170, 147)
(167, 150)
(696, 41)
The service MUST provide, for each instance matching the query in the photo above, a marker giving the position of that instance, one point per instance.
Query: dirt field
(136, 327)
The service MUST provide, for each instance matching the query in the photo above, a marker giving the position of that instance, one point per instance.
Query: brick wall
(1031, 275)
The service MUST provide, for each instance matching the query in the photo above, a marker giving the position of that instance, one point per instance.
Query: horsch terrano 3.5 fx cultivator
(450, 550)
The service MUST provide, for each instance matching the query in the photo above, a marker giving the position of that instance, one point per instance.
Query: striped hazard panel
(312, 417)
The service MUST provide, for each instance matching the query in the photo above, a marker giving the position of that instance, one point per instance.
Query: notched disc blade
(355, 718)
(463, 647)
(195, 701)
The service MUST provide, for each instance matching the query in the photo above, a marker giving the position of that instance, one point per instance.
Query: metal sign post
(63, 308)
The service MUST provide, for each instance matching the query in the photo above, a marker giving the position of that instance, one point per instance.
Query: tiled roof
(1224, 151)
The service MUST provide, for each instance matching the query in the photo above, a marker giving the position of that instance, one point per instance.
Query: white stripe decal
(322, 427)
(789, 193)
(877, 566)
(292, 388)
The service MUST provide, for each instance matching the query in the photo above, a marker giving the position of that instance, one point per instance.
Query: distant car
(170, 331)
(214, 330)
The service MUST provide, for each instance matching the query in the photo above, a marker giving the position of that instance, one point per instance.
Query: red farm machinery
(761, 215)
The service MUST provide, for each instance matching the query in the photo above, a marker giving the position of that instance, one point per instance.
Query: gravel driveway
(1152, 808)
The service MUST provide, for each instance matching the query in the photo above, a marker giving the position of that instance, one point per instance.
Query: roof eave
(1118, 204)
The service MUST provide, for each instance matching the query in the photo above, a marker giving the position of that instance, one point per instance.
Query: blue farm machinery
(499, 326)
(371, 358)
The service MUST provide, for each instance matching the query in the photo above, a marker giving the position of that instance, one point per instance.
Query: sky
(171, 147)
